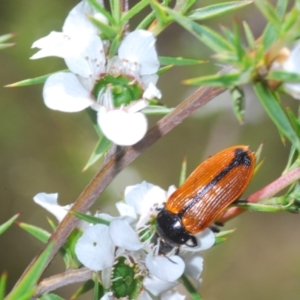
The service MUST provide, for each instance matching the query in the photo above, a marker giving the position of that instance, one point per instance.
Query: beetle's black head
(172, 232)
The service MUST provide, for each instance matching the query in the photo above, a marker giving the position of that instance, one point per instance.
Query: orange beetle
(208, 191)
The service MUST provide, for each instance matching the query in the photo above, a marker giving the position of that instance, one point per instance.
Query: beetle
(207, 192)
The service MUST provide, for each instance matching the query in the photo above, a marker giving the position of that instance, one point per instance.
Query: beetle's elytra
(208, 191)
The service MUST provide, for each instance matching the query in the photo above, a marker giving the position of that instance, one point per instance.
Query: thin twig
(124, 157)
(57, 281)
(266, 192)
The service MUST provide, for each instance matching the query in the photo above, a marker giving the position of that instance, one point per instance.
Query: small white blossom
(85, 55)
(123, 238)
(50, 203)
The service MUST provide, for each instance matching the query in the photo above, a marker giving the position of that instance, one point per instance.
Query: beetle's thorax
(170, 229)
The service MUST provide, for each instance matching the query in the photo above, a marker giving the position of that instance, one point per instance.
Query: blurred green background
(44, 151)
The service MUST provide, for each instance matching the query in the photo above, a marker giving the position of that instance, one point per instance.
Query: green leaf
(209, 37)
(5, 37)
(89, 219)
(107, 31)
(3, 280)
(134, 10)
(164, 69)
(32, 81)
(50, 297)
(283, 76)
(182, 5)
(275, 112)
(238, 100)
(290, 26)
(26, 286)
(115, 6)
(147, 21)
(156, 110)
(68, 250)
(216, 10)
(102, 11)
(6, 45)
(93, 115)
(96, 295)
(160, 13)
(114, 45)
(8, 223)
(51, 223)
(182, 177)
(101, 148)
(271, 31)
(37, 232)
(265, 207)
(190, 288)
(223, 235)
(179, 61)
(269, 12)
(225, 80)
(294, 120)
(249, 35)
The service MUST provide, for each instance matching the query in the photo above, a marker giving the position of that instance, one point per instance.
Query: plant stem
(267, 192)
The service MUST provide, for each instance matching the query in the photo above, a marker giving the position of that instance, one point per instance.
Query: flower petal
(77, 21)
(144, 196)
(205, 240)
(95, 249)
(157, 286)
(193, 265)
(63, 92)
(138, 47)
(124, 236)
(54, 44)
(86, 58)
(49, 202)
(165, 268)
(152, 92)
(172, 295)
(126, 210)
(122, 128)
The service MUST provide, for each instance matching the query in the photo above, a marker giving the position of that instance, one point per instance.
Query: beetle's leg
(240, 201)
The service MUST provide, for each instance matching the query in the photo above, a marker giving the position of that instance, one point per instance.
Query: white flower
(95, 249)
(130, 236)
(50, 203)
(84, 53)
(289, 62)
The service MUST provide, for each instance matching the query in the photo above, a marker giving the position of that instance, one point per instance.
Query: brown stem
(57, 281)
(119, 160)
(267, 192)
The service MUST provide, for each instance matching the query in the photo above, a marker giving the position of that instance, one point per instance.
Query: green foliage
(4, 38)
(39, 233)
(223, 235)
(50, 297)
(216, 10)
(89, 219)
(275, 112)
(8, 223)
(26, 286)
(190, 288)
(3, 280)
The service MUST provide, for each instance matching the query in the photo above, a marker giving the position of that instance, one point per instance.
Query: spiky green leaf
(215, 10)
(276, 113)
(8, 223)
(26, 286)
